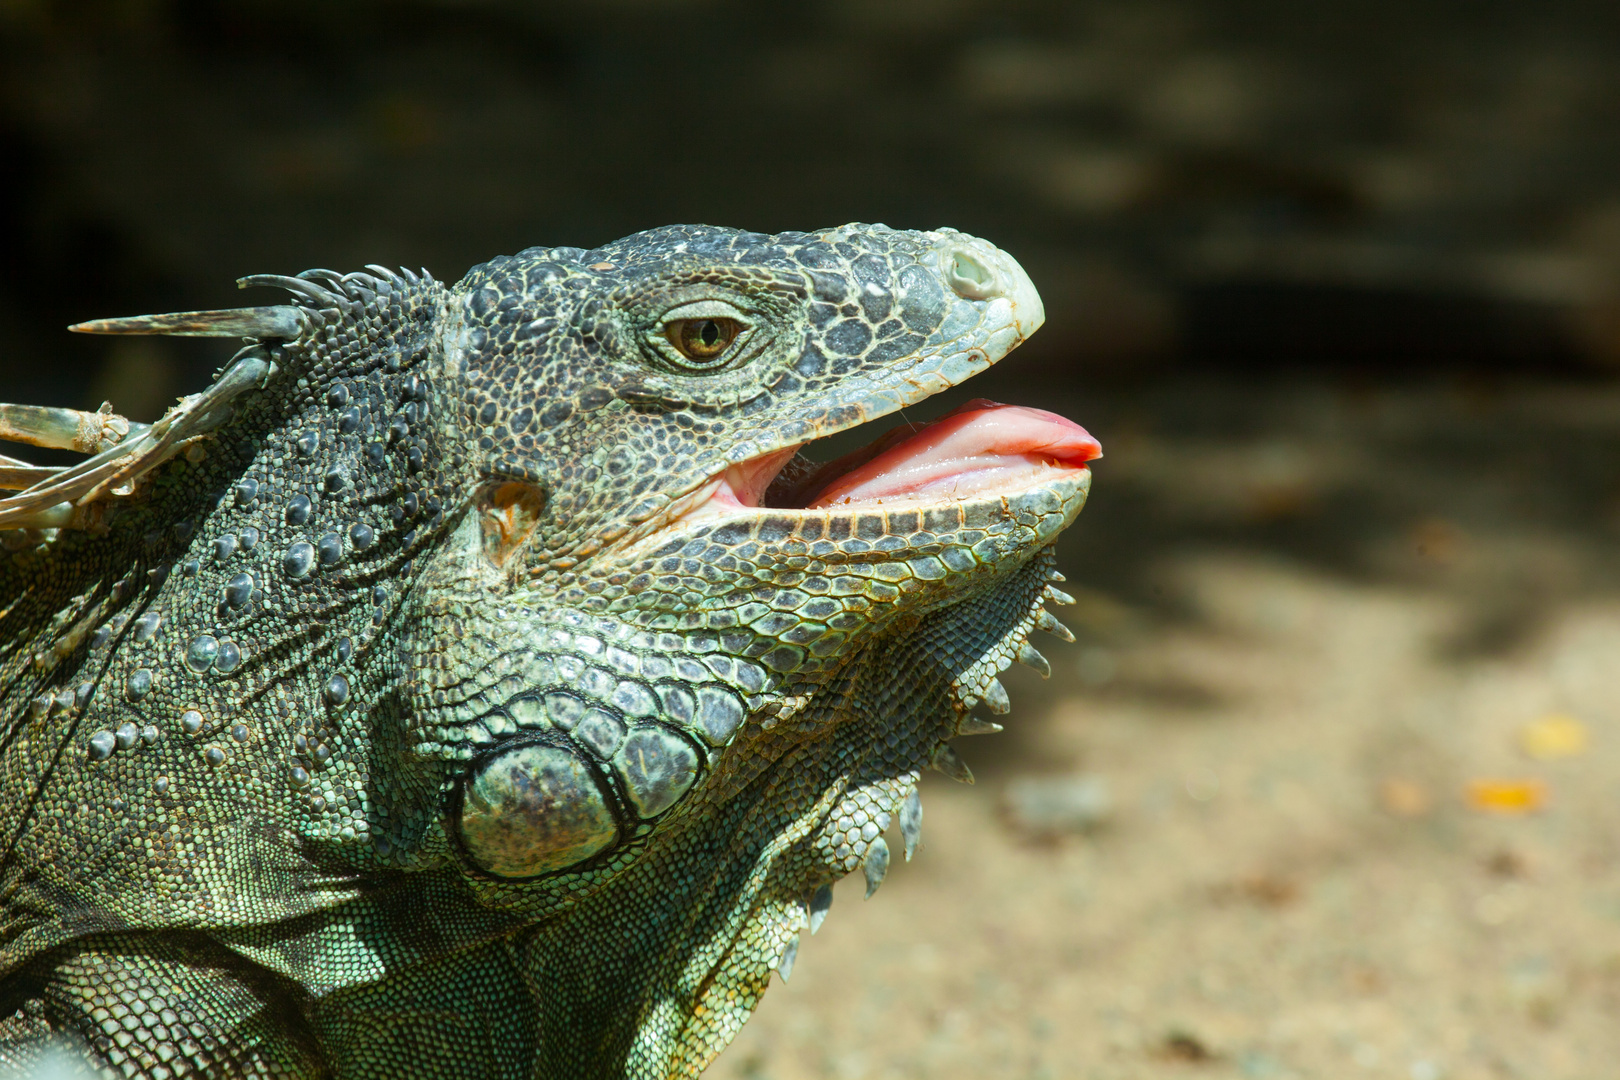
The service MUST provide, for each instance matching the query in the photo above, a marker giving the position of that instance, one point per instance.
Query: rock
(1048, 806)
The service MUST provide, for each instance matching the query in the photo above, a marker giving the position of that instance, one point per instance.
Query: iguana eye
(704, 337)
(702, 341)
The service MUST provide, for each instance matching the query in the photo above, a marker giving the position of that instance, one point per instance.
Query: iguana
(484, 681)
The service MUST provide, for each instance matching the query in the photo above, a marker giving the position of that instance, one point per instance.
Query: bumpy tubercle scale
(412, 669)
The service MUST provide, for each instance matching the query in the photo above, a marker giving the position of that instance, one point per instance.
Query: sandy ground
(1316, 624)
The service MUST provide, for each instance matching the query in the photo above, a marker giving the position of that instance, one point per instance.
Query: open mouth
(982, 449)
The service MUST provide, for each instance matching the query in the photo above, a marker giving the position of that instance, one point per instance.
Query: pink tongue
(982, 446)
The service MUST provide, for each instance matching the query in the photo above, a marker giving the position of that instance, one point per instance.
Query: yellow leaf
(1507, 796)
(1553, 736)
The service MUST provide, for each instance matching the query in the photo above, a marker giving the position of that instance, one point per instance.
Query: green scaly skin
(414, 723)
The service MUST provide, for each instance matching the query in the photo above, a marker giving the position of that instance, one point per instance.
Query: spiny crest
(124, 452)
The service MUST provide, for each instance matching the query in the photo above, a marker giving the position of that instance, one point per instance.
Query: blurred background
(1327, 787)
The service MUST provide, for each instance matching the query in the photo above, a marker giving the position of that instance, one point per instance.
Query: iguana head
(662, 556)
(673, 373)
(538, 589)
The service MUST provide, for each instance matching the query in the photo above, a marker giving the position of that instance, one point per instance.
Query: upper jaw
(1005, 307)
(991, 289)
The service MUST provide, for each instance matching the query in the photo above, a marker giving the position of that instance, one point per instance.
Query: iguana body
(473, 682)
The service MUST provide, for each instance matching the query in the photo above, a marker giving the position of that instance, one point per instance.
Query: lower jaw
(1048, 504)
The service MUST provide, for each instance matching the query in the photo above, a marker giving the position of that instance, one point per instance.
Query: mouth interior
(982, 448)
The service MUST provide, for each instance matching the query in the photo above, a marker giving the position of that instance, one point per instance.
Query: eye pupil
(703, 339)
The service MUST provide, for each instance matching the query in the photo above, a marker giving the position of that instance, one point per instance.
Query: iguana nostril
(971, 278)
(982, 273)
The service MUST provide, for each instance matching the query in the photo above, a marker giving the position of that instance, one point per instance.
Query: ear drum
(534, 808)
